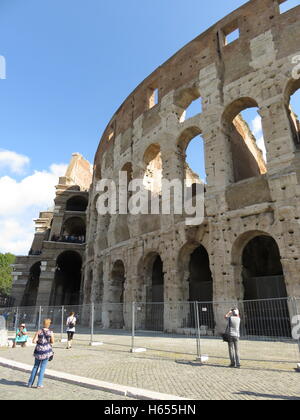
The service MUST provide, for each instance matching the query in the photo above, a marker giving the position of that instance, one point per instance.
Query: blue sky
(70, 64)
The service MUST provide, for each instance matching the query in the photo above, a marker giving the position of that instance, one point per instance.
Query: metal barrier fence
(185, 328)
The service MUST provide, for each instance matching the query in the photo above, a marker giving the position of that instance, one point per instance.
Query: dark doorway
(66, 290)
(155, 298)
(266, 309)
(158, 281)
(32, 287)
(201, 287)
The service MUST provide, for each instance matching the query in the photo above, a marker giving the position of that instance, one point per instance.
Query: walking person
(71, 327)
(233, 331)
(44, 339)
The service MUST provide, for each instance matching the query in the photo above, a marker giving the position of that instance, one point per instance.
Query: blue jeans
(38, 364)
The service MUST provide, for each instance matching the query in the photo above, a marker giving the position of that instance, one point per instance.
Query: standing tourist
(44, 339)
(71, 324)
(233, 331)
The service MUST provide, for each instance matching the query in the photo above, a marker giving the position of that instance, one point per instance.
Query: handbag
(226, 336)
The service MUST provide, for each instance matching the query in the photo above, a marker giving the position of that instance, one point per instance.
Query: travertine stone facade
(245, 197)
(251, 230)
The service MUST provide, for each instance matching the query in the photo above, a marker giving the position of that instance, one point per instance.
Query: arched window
(77, 203)
(188, 103)
(293, 110)
(74, 229)
(193, 109)
(195, 158)
(286, 5)
(191, 148)
(243, 129)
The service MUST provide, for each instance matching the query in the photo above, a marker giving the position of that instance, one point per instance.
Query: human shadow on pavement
(12, 383)
(260, 369)
(267, 396)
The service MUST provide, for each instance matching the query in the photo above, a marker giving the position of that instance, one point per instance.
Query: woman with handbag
(71, 324)
(232, 337)
(43, 353)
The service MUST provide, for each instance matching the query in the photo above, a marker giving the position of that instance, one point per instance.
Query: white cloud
(22, 201)
(257, 130)
(13, 161)
(16, 237)
(257, 125)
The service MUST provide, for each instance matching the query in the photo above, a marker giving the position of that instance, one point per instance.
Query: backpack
(71, 324)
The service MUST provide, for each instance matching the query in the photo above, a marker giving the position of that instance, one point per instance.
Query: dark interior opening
(77, 203)
(32, 287)
(155, 298)
(201, 288)
(67, 281)
(266, 309)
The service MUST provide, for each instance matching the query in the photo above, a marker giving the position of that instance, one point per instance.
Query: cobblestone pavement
(172, 372)
(12, 387)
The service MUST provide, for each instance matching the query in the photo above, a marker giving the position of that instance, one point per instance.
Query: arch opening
(189, 103)
(77, 203)
(153, 276)
(195, 167)
(74, 230)
(192, 152)
(32, 286)
(201, 288)
(243, 129)
(293, 110)
(67, 281)
(262, 270)
(265, 293)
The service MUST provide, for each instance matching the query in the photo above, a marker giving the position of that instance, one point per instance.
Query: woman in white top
(71, 324)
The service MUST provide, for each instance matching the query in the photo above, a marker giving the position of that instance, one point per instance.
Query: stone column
(277, 134)
(46, 283)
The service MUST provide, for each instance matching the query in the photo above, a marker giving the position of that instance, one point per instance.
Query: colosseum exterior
(244, 199)
(248, 246)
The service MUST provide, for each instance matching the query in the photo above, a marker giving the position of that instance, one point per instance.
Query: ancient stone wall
(245, 197)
